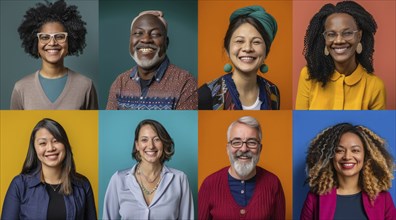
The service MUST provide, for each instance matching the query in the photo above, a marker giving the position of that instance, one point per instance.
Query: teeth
(52, 51)
(150, 153)
(340, 50)
(347, 165)
(146, 50)
(246, 58)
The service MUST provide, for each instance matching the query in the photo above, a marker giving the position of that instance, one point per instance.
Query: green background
(15, 63)
(114, 30)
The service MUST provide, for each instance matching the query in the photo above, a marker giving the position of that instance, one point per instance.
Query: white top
(255, 106)
(172, 200)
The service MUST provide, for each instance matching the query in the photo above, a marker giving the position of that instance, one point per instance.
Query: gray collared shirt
(172, 200)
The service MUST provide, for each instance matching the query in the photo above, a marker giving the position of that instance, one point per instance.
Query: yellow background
(16, 126)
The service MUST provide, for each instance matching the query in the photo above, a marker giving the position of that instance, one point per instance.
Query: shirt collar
(159, 73)
(34, 179)
(352, 79)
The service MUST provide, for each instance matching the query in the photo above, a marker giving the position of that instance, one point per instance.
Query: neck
(51, 175)
(234, 174)
(53, 71)
(150, 169)
(348, 185)
(346, 68)
(245, 83)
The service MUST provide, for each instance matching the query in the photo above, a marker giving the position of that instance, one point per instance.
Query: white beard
(241, 168)
(145, 63)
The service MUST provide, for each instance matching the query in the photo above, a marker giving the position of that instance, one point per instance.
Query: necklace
(54, 188)
(139, 172)
(144, 189)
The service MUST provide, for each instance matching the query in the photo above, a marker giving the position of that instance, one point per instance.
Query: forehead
(242, 130)
(147, 129)
(42, 133)
(350, 139)
(246, 29)
(52, 27)
(340, 20)
(148, 22)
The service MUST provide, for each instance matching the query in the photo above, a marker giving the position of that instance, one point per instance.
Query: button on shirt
(242, 191)
(27, 198)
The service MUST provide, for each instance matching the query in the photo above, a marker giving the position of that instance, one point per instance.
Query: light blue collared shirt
(172, 200)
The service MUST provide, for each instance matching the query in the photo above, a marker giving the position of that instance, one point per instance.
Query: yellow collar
(352, 79)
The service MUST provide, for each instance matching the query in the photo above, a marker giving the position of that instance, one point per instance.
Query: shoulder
(178, 72)
(304, 73)
(79, 77)
(374, 79)
(26, 81)
(124, 76)
(217, 176)
(266, 175)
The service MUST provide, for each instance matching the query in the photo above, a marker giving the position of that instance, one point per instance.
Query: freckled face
(53, 52)
(247, 49)
(349, 156)
(49, 150)
(343, 51)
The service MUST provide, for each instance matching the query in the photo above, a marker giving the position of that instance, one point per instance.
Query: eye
(256, 42)
(157, 139)
(236, 143)
(144, 140)
(60, 37)
(45, 37)
(42, 143)
(331, 34)
(239, 41)
(137, 33)
(156, 34)
(355, 150)
(339, 150)
(347, 33)
(252, 143)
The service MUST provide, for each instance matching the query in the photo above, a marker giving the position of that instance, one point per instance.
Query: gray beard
(241, 168)
(148, 64)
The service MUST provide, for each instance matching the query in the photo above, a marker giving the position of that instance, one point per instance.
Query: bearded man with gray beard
(242, 190)
(155, 83)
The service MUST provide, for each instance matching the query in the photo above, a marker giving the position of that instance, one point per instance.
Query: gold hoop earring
(359, 48)
(326, 52)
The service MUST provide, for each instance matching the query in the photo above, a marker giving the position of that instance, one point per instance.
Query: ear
(360, 34)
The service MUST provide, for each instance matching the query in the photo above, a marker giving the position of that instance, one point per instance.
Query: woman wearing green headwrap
(247, 44)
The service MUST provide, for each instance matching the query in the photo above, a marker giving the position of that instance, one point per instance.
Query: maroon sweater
(215, 200)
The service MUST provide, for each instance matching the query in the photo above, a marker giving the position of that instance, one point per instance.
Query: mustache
(247, 154)
(141, 45)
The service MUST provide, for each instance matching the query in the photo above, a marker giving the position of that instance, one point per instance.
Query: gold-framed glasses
(250, 143)
(346, 35)
(45, 38)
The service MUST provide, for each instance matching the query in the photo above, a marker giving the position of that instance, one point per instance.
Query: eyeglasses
(46, 38)
(250, 143)
(332, 35)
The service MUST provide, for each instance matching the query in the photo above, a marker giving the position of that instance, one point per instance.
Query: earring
(359, 48)
(227, 68)
(326, 52)
(263, 68)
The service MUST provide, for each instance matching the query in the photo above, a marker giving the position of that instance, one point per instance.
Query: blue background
(116, 135)
(307, 124)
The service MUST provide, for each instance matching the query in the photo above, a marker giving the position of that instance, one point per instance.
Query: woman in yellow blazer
(338, 47)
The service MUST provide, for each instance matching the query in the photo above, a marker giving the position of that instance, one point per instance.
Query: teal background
(307, 124)
(115, 22)
(116, 135)
(15, 63)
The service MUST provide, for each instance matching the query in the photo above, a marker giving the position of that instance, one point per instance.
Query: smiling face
(247, 49)
(149, 145)
(343, 51)
(148, 41)
(243, 160)
(49, 150)
(53, 52)
(349, 156)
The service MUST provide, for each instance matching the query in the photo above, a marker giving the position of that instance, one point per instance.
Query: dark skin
(148, 38)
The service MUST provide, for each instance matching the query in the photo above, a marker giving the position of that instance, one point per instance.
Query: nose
(338, 38)
(52, 41)
(347, 155)
(50, 146)
(146, 38)
(244, 147)
(247, 47)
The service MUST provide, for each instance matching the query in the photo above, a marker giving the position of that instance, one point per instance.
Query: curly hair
(376, 174)
(68, 16)
(321, 67)
(167, 141)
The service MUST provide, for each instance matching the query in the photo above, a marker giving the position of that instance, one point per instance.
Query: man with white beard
(242, 190)
(155, 83)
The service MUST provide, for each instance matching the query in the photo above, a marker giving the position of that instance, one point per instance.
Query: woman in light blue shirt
(150, 189)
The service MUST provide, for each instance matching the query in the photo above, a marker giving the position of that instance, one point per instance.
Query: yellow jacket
(358, 91)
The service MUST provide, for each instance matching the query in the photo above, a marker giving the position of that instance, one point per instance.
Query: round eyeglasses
(346, 35)
(45, 38)
(250, 143)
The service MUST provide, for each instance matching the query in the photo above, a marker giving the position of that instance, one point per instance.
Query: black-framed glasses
(346, 35)
(45, 38)
(250, 143)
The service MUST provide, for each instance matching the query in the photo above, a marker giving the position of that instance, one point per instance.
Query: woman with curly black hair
(338, 48)
(349, 172)
(51, 31)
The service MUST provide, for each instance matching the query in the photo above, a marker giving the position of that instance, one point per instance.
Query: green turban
(259, 13)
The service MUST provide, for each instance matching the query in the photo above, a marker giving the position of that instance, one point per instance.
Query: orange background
(385, 47)
(276, 155)
(213, 20)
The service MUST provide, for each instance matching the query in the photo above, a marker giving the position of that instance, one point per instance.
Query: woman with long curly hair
(349, 172)
(52, 31)
(338, 48)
